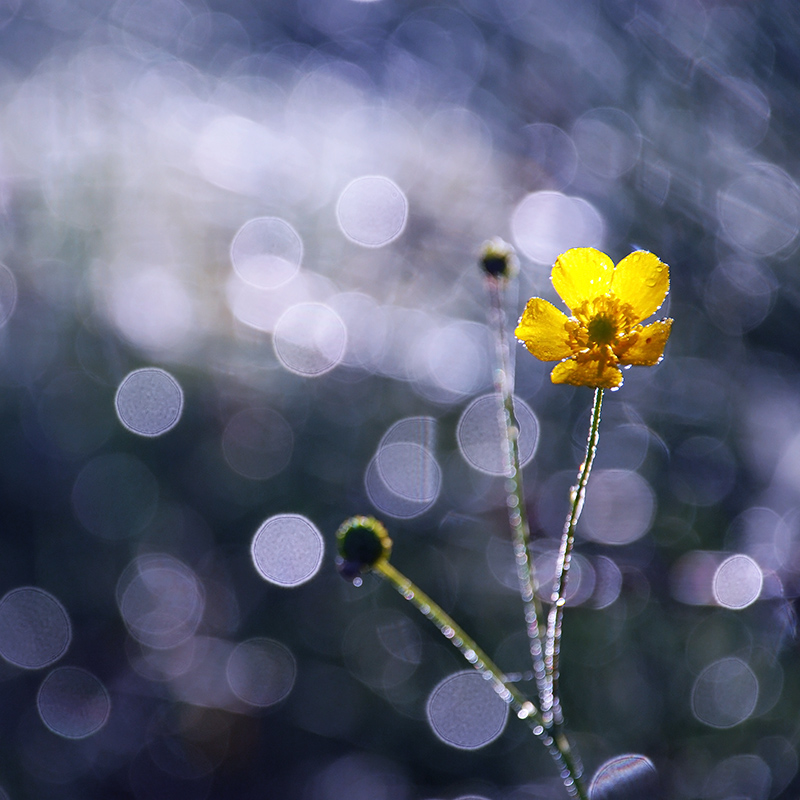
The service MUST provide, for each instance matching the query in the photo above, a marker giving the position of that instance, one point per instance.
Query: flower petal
(587, 373)
(648, 346)
(582, 274)
(642, 281)
(544, 330)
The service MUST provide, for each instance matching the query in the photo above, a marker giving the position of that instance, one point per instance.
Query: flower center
(602, 329)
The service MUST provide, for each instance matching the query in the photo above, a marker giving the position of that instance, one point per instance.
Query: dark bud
(498, 259)
(362, 543)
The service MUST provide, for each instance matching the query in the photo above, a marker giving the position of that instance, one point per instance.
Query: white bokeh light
(608, 141)
(261, 672)
(266, 252)
(372, 211)
(8, 294)
(760, 210)
(287, 550)
(608, 492)
(546, 224)
(161, 600)
(404, 479)
(262, 308)
(742, 776)
(627, 777)
(152, 308)
(451, 362)
(725, 693)
(73, 703)
(35, 630)
(737, 582)
(409, 470)
(479, 434)
(257, 443)
(310, 339)
(149, 402)
(466, 712)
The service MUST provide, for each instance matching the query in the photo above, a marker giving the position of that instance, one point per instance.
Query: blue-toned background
(240, 296)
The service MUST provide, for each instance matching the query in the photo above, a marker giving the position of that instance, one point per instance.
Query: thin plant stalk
(551, 706)
(515, 494)
(558, 746)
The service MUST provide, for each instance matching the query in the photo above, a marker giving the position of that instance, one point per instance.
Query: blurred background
(240, 303)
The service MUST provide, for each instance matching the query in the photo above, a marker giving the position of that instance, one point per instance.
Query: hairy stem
(558, 746)
(551, 706)
(515, 494)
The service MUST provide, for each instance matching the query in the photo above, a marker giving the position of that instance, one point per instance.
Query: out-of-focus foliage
(241, 303)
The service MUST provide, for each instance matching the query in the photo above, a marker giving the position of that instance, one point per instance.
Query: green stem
(557, 746)
(551, 705)
(515, 493)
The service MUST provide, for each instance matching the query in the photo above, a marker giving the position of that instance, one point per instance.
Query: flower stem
(558, 746)
(551, 706)
(515, 494)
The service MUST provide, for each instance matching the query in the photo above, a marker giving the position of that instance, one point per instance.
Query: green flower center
(602, 329)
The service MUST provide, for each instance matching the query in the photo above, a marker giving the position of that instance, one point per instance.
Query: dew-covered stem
(558, 746)
(551, 706)
(458, 637)
(515, 494)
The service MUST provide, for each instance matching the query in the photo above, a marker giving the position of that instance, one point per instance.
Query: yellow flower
(608, 304)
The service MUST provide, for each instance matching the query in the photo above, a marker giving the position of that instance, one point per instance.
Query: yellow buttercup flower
(608, 304)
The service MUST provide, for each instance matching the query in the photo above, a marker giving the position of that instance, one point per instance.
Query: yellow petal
(544, 330)
(641, 281)
(581, 274)
(588, 373)
(648, 346)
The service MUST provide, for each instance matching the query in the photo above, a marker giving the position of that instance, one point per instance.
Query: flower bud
(362, 542)
(498, 259)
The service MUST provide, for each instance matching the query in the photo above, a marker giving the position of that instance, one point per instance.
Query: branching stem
(558, 745)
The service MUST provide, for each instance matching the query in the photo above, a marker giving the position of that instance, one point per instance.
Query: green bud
(362, 543)
(498, 259)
